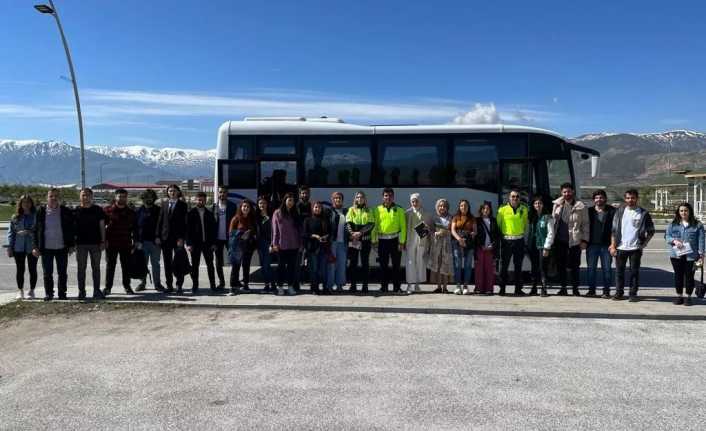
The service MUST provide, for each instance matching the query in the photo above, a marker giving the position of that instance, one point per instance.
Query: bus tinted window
(278, 145)
(413, 161)
(337, 162)
(241, 147)
(476, 164)
(512, 146)
(546, 147)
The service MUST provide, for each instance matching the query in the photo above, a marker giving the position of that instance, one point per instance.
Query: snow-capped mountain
(55, 162)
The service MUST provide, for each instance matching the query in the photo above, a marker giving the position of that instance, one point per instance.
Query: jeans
(263, 253)
(61, 256)
(286, 268)
(463, 264)
(593, 253)
(196, 252)
(512, 249)
(683, 274)
(568, 262)
(540, 266)
(20, 258)
(83, 251)
(152, 252)
(317, 263)
(388, 250)
(360, 273)
(337, 270)
(111, 256)
(241, 258)
(621, 260)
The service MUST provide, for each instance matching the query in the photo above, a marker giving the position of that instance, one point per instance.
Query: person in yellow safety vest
(390, 233)
(513, 223)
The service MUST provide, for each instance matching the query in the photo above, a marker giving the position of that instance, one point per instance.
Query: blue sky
(168, 73)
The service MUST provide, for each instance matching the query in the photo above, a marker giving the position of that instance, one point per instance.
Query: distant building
(131, 188)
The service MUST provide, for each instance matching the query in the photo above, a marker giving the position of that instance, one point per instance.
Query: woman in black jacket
(264, 241)
(316, 235)
(487, 240)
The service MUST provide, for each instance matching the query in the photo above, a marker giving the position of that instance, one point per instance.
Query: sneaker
(466, 291)
(679, 300)
(106, 292)
(339, 289)
(129, 291)
(82, 295)
(687, 301)
(30, 294)
(48, 298)
(20, 294)
(291, 291)
(618, 297)
(458, 291)
(97, 294)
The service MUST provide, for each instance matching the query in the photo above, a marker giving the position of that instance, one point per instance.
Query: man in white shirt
(339, 243)
(632, 230)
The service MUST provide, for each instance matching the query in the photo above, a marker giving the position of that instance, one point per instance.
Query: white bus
(271, 156)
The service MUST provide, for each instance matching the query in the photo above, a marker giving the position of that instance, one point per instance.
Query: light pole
(51, 10)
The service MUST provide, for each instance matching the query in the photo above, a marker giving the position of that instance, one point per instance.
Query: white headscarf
(417, 196)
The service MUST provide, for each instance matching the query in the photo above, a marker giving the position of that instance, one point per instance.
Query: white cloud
(480, 114)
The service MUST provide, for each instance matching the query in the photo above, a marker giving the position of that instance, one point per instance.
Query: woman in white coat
(416, 247)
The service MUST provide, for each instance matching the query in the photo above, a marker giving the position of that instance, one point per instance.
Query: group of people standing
(327, 245)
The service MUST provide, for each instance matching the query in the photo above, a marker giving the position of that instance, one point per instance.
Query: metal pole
(73, 81)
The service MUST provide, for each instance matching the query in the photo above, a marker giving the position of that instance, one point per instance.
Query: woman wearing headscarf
(440, 254)
(417, 244)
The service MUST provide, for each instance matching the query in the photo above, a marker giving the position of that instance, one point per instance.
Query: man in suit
(171, 233)
(223, 211)
(54, 241)
(201, 240)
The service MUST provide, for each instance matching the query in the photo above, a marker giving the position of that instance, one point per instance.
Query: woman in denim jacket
(19, 244)
(682, 233)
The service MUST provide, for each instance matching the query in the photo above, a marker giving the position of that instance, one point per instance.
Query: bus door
(277, 176)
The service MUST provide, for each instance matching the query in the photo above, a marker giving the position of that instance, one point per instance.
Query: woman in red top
(241, 245)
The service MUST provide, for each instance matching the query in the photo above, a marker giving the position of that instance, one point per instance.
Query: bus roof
(324, 126)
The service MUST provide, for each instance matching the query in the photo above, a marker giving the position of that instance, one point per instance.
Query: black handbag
(181, 263)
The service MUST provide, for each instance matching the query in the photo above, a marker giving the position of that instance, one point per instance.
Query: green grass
(6, 212)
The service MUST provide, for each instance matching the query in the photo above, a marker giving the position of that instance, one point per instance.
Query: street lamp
(51, 10)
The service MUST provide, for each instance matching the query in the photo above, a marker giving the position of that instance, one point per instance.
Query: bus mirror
(584, 156)
(594, 166)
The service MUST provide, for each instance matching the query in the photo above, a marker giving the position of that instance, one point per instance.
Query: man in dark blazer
(54, 240)
(223, 211)
(171, 233)
(201, 240)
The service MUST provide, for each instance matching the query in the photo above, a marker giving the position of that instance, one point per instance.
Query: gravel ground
(227, 369)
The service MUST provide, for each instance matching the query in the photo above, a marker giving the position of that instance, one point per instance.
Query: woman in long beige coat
(416, 247)
(440, 251)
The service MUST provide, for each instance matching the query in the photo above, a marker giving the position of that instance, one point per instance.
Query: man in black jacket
(171, 232)
(54, 241)
(147, 218)
(600, 218)
(223, 211)
(201, 240)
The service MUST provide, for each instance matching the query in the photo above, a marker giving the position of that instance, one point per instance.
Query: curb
(418, 310)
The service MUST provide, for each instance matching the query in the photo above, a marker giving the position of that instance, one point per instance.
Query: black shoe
(501, 292)
(97, 294)
(246, 287)
(62, 297)
(591, 293)
(619, 296)
(106, 292)
(82, 295)
(679, 300)
(562, 292)
(159, 288)
(48, 298)
(169, 289)
(544, 293)
(221, 285)
(353, 288)
(194, 290)
(396, 289)
(438, 290)
(687, 301)
(606, 294)
(140, 287)
(234, 291)
(575, 291)
(633, 298)
(364, 289)
(129, 291)
(520, 292)
(179, 290)
(533, 291)
(383, 289)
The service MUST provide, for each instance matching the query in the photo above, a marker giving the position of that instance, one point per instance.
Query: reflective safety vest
(513, 222)
(390, 221)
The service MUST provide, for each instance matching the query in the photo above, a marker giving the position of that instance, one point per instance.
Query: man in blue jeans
(339, 243)
(600, 218)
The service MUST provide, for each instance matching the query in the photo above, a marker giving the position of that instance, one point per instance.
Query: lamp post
(51, 10)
